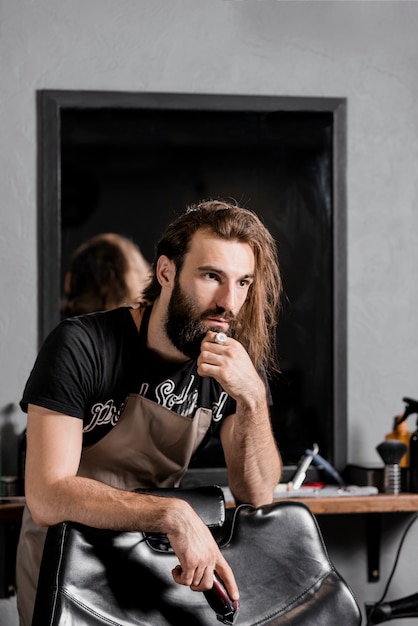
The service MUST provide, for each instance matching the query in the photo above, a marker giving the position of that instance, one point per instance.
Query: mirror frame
(51, 103)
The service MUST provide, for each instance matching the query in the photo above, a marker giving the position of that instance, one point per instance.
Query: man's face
(209, 291)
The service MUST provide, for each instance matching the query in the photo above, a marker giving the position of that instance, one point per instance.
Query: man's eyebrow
(218, 270)
(210, 268)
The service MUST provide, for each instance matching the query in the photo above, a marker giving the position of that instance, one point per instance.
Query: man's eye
(211, 276)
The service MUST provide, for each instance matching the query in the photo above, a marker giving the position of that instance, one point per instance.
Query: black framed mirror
(129, 162)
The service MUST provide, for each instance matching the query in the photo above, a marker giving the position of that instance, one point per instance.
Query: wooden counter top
(379, 503)
(335, 505)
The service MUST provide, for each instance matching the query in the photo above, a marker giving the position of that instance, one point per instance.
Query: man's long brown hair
(101, 273)
(257, 320)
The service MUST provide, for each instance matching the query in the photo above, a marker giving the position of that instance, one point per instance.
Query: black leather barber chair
(92, 577)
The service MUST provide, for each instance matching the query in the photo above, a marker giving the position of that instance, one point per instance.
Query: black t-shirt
(89, 364)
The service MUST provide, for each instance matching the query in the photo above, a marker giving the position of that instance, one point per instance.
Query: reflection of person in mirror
(189, 363)
(105, 272)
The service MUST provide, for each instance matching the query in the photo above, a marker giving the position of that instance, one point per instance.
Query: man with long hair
(123, 399)
(105, 272)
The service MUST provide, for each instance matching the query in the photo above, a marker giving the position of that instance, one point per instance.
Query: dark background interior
(133, 170)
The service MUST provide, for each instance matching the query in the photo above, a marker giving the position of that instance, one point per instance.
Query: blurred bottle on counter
(400, 432)
(411, 407)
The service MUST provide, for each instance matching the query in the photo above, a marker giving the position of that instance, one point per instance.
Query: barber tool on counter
(391, 452)
(302, 468)
(313, 456)
(335, 486)
(329, 469)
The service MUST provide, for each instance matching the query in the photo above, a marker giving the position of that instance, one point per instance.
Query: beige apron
(150, 446)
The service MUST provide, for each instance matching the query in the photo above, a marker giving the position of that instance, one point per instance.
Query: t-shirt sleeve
(64, 372)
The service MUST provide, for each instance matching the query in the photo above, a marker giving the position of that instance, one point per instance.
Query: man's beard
(185, 326)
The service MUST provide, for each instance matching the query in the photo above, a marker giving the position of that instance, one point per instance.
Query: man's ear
(165, 272)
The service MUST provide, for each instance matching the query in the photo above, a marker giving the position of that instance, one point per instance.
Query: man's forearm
(253, 460)
(96, 504)
(93, 503)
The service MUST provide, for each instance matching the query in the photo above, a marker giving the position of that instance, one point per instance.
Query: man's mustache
(219, 312)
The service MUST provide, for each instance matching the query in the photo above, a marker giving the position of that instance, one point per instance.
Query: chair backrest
(91, 577)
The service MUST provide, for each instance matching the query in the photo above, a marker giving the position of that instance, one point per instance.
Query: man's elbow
(39, 511)
(255, 495)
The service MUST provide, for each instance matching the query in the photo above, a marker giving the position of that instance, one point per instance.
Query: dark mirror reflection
(131, 170)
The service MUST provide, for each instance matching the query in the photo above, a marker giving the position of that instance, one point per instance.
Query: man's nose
(227, 298)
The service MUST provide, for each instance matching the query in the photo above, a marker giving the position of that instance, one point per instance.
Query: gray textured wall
(364, 51)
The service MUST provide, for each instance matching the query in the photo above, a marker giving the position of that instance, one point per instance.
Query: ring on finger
(220, 338)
